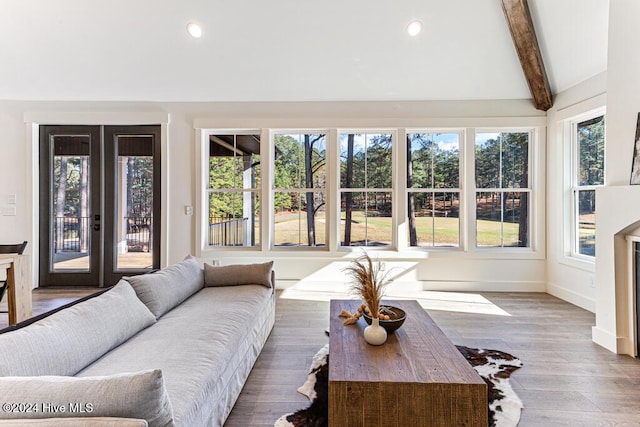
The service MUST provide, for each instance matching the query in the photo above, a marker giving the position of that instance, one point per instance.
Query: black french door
(99, 203)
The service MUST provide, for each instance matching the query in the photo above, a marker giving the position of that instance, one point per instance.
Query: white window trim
(570, 133)
(399, 248)
(202, 191)
(535, 190)
(271, 190)
(393, 190)
(459, 190)
(209, 191)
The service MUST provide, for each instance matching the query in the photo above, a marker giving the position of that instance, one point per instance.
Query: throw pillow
(66, 342)
(129, 395)
(241, 274)
(164, 289)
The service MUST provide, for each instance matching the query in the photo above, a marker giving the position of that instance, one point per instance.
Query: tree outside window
(433, 189)
(365, 189)
(299, 190)
(233, 188)
(502, 189)
(588, 174)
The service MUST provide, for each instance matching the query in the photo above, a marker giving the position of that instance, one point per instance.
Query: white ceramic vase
(375, 334)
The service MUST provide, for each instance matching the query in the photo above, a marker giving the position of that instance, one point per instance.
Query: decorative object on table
(635, 168)
(349, 317)
(368, 280)
(393, 318)
(375, 334)
(495, 368)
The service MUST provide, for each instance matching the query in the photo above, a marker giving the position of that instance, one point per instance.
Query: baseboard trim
(571, 297)
(428, 285)
(605, 339)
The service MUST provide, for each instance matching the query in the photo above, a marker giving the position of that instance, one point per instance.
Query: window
(233, 189)
(365, 189)
(337, 190)
(299, 189)
(502, 189)
(433, 189)
(587, 175)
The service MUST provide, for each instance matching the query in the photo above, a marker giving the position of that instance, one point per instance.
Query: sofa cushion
(67, 341)
(202, 346)
(164, 289)
(128, 395)
(39, 317)
(241, 274)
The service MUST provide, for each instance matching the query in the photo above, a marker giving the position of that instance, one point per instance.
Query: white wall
(618, 205)
(623, 88)
(567, 278)
(13, 176)
(440, 271)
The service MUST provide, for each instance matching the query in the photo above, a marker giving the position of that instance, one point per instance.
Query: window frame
(533, 197)
(459, 190)
(393, 246)
(271, 245)
(399, 249)
(574, 186)
(208, 191)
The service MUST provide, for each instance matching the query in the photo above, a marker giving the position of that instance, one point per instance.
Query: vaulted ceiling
(288, 50)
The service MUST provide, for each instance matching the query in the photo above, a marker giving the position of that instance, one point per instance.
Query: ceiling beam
(526, 43)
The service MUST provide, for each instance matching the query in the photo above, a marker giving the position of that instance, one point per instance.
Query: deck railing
(139, 233)
(227, 232)
(71, 234)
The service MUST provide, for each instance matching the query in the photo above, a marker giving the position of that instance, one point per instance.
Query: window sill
(579, 263)
(409, 254)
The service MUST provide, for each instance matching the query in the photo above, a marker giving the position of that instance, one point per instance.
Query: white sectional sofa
(171, 348)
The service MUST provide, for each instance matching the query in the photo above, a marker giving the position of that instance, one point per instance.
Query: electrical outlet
(188, 210)
(215, 262)
(592, 281)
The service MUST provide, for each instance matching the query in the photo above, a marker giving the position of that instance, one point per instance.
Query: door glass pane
(134, 202)
(71, 242)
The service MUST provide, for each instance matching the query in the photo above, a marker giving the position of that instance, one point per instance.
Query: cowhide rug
(494, 367)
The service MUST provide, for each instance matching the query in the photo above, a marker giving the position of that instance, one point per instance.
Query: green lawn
(291, 228)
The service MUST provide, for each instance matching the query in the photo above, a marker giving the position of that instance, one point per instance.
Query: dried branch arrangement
(368, 280)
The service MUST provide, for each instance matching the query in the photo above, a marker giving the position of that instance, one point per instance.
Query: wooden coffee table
(417, 378)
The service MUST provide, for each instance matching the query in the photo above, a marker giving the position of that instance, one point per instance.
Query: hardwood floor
(567, 380)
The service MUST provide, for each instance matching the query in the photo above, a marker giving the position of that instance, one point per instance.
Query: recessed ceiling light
(414, 28)
(194, 29)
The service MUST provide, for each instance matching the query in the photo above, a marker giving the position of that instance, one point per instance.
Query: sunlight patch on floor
(461, 302)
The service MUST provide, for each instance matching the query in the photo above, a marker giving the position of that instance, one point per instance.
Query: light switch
(188, 210)
(11, 199)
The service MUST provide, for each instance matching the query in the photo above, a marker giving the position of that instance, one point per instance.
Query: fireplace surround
(617, 230)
